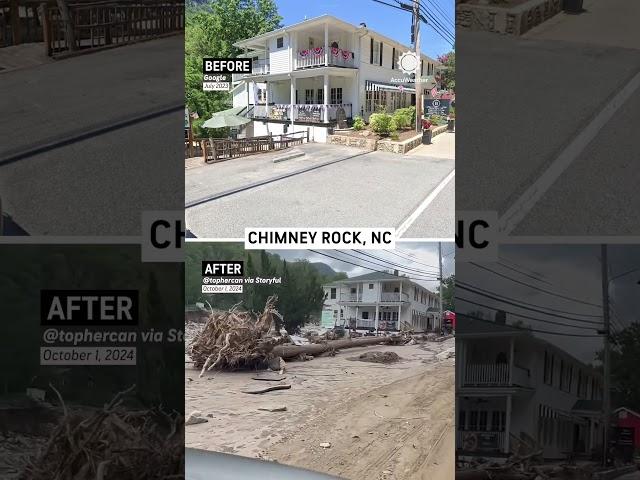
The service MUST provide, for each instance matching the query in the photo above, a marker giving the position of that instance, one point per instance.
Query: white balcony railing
(259, 67)
(486, 374)
(394, 297)
(316, 57)
(351, 297)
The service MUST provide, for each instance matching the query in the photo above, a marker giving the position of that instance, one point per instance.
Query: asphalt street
(375, 189)
(548, 125)
(93, 140)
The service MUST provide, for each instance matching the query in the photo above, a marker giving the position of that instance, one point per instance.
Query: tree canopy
(211, 29)
(300, 295)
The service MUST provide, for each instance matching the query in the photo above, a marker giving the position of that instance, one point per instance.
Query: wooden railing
(217, 150)
(104, 24)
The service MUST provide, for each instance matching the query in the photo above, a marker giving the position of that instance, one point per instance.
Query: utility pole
(606, 397)
(440, 275)
(416, 48)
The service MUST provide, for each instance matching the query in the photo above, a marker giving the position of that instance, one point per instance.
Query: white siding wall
(279, 57)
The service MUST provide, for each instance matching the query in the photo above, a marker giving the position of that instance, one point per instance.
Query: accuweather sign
(216, 72)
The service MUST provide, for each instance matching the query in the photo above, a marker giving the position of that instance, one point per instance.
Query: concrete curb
(289, 156)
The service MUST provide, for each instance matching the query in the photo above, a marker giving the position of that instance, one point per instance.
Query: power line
(511, 301)
(533, 277)
(427, 275)
(437, 21)
(367, 268)
(548, 292)
(473, 317)
(445, 15)
(442, 34)
(395, 264)
(551, 322)
(410, 257)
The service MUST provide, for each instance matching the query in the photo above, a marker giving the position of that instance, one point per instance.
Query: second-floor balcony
(258, 67)
(322, 56)
(385, 297)
(494, 375)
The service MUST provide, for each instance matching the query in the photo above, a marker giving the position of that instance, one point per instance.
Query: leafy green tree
(448, 61)
(211, 29)
(449, 293)
(625, 375)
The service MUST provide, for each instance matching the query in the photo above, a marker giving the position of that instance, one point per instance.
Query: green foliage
(437, 120)
(211, 29)
(405, 117)
(358, 123)
(448, 293)
(300, 295)
(448, 61)
(382, 123)
(625, 375)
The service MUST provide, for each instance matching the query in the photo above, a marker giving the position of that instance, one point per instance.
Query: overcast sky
(572, 271)
(420, 260)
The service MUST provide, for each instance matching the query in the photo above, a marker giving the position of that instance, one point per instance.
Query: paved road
(94, 140)
(526, 100)
(375, 189)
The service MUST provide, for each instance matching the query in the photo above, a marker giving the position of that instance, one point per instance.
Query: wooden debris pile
(523, 467)
(237, 339)
(114, 442)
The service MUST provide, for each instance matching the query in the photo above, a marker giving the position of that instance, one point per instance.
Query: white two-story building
(320, 73)
(512, 387)
(381, 302)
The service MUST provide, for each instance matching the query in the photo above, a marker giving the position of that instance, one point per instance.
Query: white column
(326, 97)
(508, 425)
(326, 44)
(266, 97)
(511, 362)
(400, 307)
(292, 99)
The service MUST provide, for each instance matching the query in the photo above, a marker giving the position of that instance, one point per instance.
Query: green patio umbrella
(226, 118)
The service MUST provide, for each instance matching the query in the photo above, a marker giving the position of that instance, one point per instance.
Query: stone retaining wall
(386, 145)
(509, 21)
(358, 142)
(409, 144)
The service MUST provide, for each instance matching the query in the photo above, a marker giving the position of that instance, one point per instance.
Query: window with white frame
(279, 42)
(308, 96)
(336, 96)
(320, 96)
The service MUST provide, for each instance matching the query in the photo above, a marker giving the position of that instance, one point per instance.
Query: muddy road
(382, 421)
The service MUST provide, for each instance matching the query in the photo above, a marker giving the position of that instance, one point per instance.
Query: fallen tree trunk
(291, 351)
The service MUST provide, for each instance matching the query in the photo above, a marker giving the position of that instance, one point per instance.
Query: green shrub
(408, 113)
(402, 119)
(382, 123)
(358, 123)
(437, 120)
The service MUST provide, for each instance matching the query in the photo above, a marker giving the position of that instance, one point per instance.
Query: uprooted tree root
(237, 339)
(112, 443)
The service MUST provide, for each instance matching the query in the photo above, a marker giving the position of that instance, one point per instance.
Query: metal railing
(316, 57)
(216, 150)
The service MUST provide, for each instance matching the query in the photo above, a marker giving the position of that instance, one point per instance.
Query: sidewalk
(442, 146)
(611, 23)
